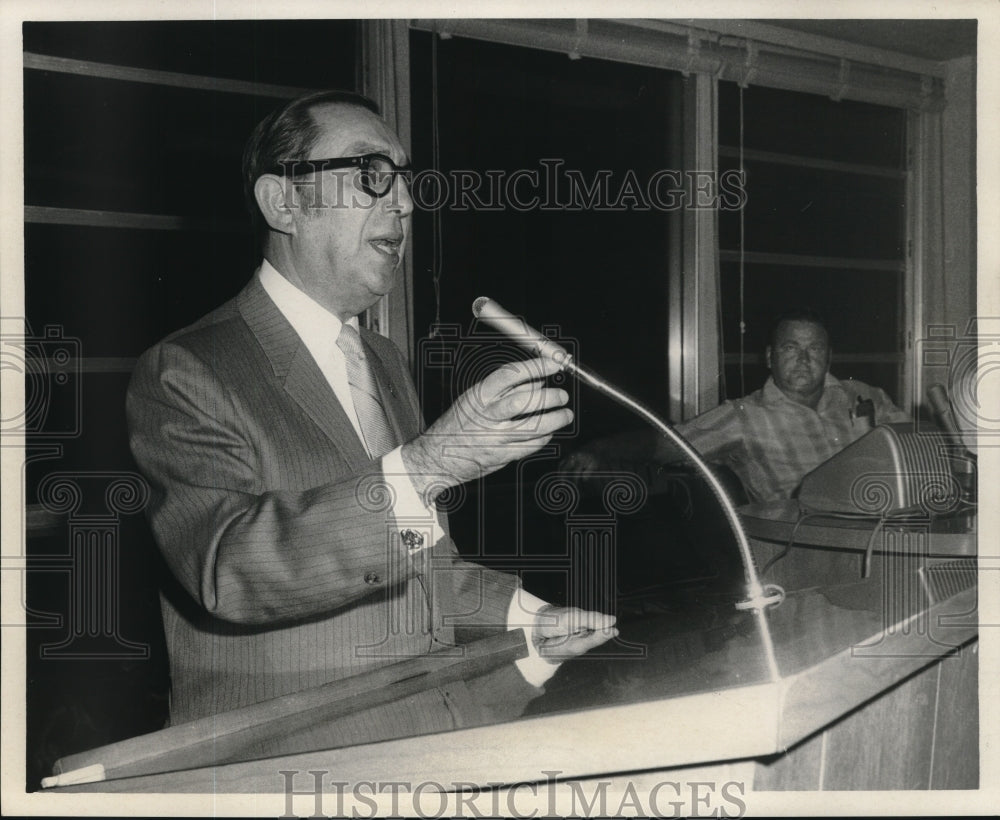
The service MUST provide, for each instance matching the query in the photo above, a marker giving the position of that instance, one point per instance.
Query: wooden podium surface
(876, 688)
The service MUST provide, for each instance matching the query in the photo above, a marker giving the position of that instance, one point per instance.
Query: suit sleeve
(244, 553)
(470, 599)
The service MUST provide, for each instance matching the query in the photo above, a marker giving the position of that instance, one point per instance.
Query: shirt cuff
(418, 524)
(521, 615)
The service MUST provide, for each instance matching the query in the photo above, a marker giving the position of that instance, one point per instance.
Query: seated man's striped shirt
(771, 442)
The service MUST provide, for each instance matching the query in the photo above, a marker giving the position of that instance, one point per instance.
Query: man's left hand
(565, 632)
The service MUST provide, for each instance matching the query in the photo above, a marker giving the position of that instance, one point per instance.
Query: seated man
(292, 486)
(774, 436)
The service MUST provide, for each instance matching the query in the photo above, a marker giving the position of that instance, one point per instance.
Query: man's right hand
(508, 415)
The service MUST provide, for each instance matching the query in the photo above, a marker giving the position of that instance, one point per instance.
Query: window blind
(744, 52)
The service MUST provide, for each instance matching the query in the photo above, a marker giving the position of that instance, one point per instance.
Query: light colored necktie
(378, 434)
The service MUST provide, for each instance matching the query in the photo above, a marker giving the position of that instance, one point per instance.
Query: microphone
(938, 396)
(519, 331)
(758, 596)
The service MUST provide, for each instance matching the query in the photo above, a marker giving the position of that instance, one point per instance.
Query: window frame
(711, 53)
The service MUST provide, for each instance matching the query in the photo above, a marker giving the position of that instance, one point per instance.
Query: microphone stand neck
(758, 596)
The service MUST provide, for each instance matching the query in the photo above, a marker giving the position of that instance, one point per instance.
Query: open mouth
(387, 247)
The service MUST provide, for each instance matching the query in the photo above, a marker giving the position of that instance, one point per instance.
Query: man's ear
(767, 356)
(270, 192)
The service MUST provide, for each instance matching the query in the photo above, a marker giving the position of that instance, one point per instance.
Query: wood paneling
(887, 743)
(920, 734)
(955, 763)
(797, 769)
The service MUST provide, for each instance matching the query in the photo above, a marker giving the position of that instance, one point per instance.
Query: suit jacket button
(372, 578)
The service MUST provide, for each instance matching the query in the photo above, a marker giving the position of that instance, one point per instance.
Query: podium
(878, 673)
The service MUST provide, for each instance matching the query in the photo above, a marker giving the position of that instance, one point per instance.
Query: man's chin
(800, 385)
(384, 281)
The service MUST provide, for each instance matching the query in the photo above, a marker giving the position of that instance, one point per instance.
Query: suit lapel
(297, 371)
(305, 383)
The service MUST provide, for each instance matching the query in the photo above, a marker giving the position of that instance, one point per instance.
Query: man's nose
(399, 199)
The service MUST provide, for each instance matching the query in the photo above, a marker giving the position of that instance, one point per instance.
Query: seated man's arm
(622, 451)
(886, 412)
(715, 435)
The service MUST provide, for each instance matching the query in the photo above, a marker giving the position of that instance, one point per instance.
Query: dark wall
(96, 666)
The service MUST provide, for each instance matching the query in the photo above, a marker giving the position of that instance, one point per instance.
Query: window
(824, 222)
(598, 277)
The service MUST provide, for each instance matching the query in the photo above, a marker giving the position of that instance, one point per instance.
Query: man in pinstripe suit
(295, 510)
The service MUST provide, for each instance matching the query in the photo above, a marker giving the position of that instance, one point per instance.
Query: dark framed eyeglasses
(377, 171)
